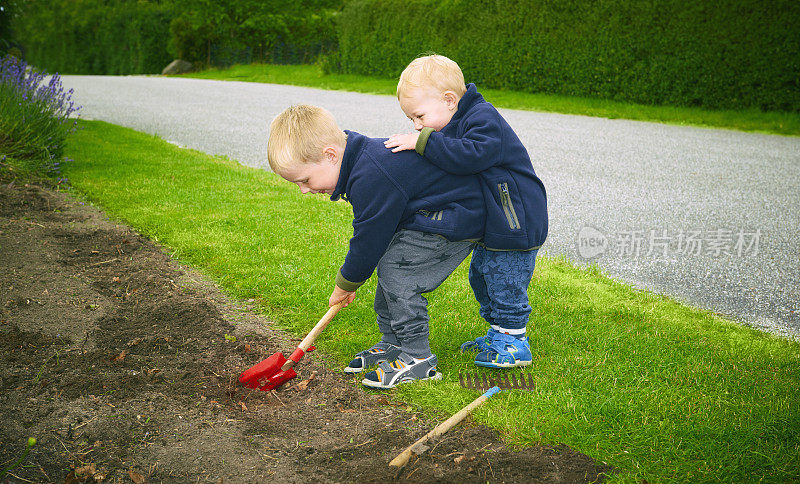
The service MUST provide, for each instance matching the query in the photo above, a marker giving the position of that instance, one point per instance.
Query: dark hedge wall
(143, 36)
(717, 54)
(724, 54)
(223, 32)
(95, 36)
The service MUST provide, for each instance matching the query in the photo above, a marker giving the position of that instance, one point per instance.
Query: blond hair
(436, 71)
(299, 135)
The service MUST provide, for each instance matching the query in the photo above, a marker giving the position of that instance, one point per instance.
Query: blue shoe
(481, 343)
(505, 351)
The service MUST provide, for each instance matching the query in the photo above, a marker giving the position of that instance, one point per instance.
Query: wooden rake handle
(402, 459)
(315, 331)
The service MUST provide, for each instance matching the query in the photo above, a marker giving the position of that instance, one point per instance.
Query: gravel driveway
(709, 217)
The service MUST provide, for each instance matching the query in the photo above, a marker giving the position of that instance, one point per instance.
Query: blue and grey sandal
(380, 352)
(402, 370)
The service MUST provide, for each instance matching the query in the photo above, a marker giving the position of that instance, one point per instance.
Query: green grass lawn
(660, 391)
(312, 76)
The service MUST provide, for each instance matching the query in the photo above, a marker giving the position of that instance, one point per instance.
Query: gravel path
(710, 217)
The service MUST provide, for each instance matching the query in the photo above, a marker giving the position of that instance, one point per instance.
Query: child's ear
(329, 153)
(451, 99)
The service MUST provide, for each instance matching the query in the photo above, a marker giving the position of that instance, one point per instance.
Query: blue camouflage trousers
(500, 281)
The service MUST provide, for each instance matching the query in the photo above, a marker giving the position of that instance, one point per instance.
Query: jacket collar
(467, 101)
(352, 150)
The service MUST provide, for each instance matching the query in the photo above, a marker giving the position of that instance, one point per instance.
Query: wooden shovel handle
(312, 335)
(402, 459)
(315, 331)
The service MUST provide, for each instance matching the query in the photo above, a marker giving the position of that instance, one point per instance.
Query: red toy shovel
(277, 370)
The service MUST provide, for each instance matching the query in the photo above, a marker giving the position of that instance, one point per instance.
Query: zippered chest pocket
(508, 206)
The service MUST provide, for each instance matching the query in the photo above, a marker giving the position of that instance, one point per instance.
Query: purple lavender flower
(34, 114)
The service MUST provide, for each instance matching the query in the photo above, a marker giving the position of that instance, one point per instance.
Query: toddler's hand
(402, 142)
(339, 295)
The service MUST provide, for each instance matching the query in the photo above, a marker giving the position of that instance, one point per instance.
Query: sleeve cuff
(345, 284)
(424, 134)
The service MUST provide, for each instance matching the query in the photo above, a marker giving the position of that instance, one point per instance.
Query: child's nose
(418, 124)
(304, 189)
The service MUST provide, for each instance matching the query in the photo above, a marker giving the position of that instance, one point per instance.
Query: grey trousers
(414, 263)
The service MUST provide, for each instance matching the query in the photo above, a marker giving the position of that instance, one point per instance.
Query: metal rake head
(479, 381)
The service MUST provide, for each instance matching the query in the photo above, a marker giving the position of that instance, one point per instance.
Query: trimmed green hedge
(716, 54)
(245, 31)
(727, 54)
(95, 36)
(143, 36)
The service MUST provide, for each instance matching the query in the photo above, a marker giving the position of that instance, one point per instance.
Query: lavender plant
(35, 116)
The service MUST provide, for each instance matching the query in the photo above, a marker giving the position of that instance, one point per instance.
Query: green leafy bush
(95, 36)
(243, 31)
(5, 27)
(723, 54)
(143, 36)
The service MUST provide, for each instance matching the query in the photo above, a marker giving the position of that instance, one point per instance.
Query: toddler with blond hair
(461, 133)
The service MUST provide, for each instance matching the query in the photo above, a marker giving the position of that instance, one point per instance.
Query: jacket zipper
(431, 215)
(508, 207)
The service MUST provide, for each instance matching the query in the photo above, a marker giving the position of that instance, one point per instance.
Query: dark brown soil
(115, 358)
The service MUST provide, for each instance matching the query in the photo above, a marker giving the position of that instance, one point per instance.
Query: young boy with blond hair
(412, 221)
(461, 133)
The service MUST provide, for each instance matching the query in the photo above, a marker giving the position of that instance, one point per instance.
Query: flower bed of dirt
(115, 358)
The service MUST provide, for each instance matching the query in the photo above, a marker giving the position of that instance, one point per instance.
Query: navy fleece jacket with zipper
(477, 140)
(392, 191)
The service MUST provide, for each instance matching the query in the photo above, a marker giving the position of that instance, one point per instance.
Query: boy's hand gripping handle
(311, 336)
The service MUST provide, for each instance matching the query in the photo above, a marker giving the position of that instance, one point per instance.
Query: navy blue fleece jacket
(477, 140)
(392, 191)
